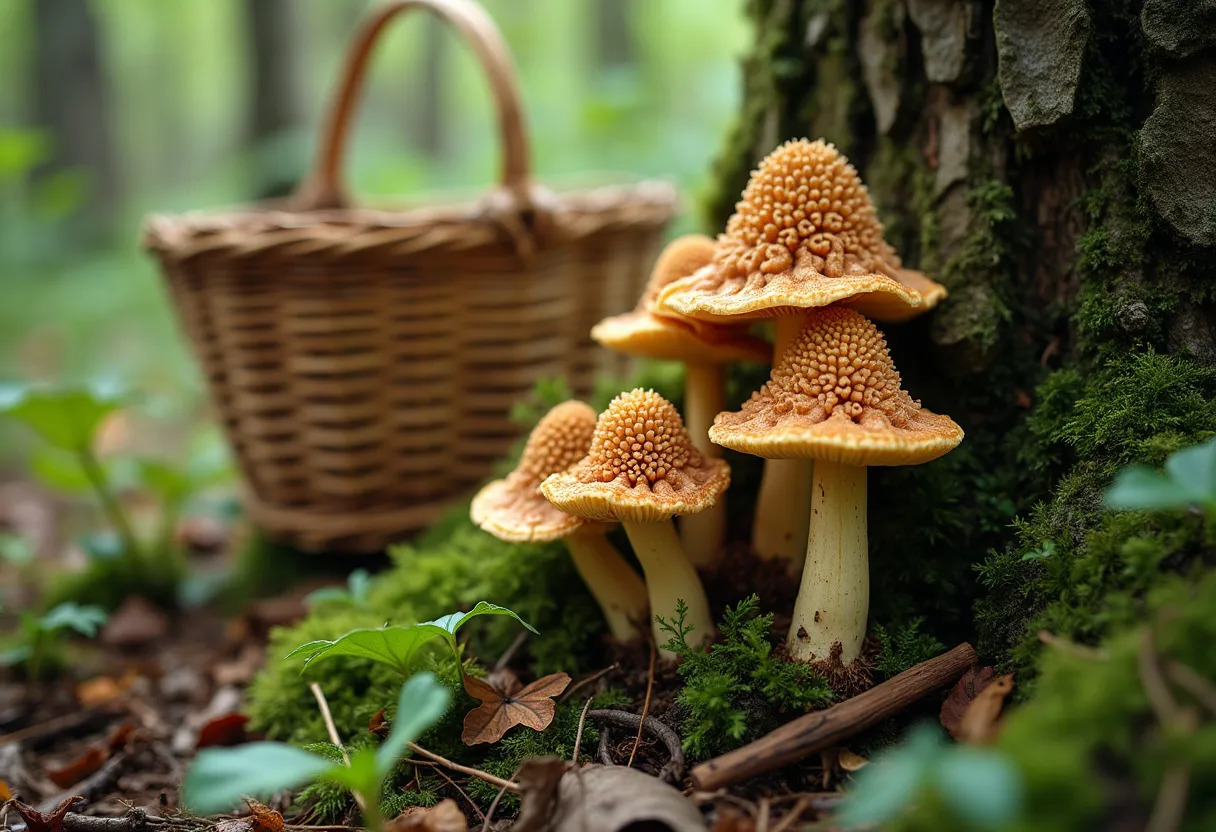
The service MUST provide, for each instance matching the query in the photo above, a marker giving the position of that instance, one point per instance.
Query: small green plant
(901, 647)
(68, 420)
(398, 646)
(358, 585)
(980, 787)
(220, 777)
(737, 688)
(39, 642)
(1189, 480)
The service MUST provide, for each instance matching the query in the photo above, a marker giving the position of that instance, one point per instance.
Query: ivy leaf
(502, 710)
(67, 417)
(982, 787)
(396, 646)
(422, 703)
(219, 777)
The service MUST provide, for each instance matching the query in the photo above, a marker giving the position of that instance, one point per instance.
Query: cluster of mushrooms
(804, 250)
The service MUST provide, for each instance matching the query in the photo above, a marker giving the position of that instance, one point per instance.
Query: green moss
(738, 688)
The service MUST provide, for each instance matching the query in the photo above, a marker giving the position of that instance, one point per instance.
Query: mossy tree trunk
(1052, 162)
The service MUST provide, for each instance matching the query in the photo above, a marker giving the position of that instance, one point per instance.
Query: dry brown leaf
(851, 762)
(51, 821)
(263, 818)
(961, 696)
(223, 731)
(135, 624)
(102, 690)
(444, 816)
(981, 720)
(501, 710)
(93, 757)
(6, 794)
(378, 725)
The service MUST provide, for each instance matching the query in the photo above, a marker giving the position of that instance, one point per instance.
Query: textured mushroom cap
(836, 395)
(646, 335)
(513, 508)
(804, 235)
(641, 468)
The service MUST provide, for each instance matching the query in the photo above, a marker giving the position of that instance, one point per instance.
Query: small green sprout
(358, 585)
(39, 643)
(219, 778)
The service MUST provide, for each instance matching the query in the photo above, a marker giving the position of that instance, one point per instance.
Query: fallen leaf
(961, 696)
(264, 819)
(539, 779)
(981, 720)
(51, 821)
(851, 762)
(378, 725)
(120, 736)
(223, 731)
(444, 816)
(6, 794)
(92, 759)
(135, 624)
(502, 710)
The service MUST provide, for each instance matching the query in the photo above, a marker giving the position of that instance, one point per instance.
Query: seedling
(358, 585)
(1189, 479)
(40, 638)
(219, 778)
(397, 646)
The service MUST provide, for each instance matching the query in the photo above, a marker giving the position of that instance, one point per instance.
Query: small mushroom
(513, 509)
(704, 349)
(835, 397)
(804, 235)
(643, 470)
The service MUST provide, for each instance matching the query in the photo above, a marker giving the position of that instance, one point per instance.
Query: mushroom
(513, 509)
(803, 235)
(704, 349)
(835, 397)
(643, 470)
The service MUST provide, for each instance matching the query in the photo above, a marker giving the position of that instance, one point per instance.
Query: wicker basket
(364, 362)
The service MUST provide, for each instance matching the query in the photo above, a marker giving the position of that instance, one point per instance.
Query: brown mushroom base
(670, 578)
(613, 583)
(703, 533)
(834, 598)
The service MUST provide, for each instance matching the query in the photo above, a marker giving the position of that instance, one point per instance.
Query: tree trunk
(71, 102)
(275, 101)
(1051, 162)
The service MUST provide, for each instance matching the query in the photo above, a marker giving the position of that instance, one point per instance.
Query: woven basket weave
(364, 362)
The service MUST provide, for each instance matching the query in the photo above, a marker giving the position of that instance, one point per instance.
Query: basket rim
(252, 229)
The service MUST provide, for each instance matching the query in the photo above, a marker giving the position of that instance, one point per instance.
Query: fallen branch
(822, 729)
(472, 772)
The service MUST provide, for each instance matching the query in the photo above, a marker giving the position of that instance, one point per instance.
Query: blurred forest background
(110, 109)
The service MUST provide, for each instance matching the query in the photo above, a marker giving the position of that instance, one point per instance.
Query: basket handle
(324, 187)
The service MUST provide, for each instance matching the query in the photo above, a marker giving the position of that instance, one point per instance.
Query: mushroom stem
(782, 517)
(834, 597)
(704, 531)
(614, 584)
(670, 577)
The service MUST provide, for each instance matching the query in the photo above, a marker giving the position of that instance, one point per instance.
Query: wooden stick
(822, 729)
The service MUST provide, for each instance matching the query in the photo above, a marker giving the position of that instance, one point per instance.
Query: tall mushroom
(835, 397)
(803, 235)
(643, 470)
(704, 349)
(513, 509)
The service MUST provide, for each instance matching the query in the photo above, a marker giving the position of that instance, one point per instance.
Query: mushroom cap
(804, 235)
(647, 335)
(835, 395)
(512, 508)
(642, 467)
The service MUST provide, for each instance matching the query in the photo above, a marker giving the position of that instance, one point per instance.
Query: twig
(52, 727)
(578, 737)
(1160, 699)
(463, 794)
(586, 681)
(669, 738)
(332, 730)
(764, 809)
(1191, 681)
(1070, 647)
(472, 772)
(794, 814)
(509, 653)
(485, 825)
(91, 786)
(645, 706)
(818, 730)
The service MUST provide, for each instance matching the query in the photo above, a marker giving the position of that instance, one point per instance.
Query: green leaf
(1142, 488)
(58, 471)
(396, 646)
(86, 620)
(221, 776)
(1045, 551)
(361, 775)
(15, 549)
(887, 787)
(65, 417)
(1195, 469)
(422, 703)
(982, 787)
(162, 479)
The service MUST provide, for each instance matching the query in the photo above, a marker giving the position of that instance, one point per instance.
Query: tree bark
(276, 76)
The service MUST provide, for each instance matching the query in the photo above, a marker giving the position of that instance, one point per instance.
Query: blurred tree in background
(110, 109)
